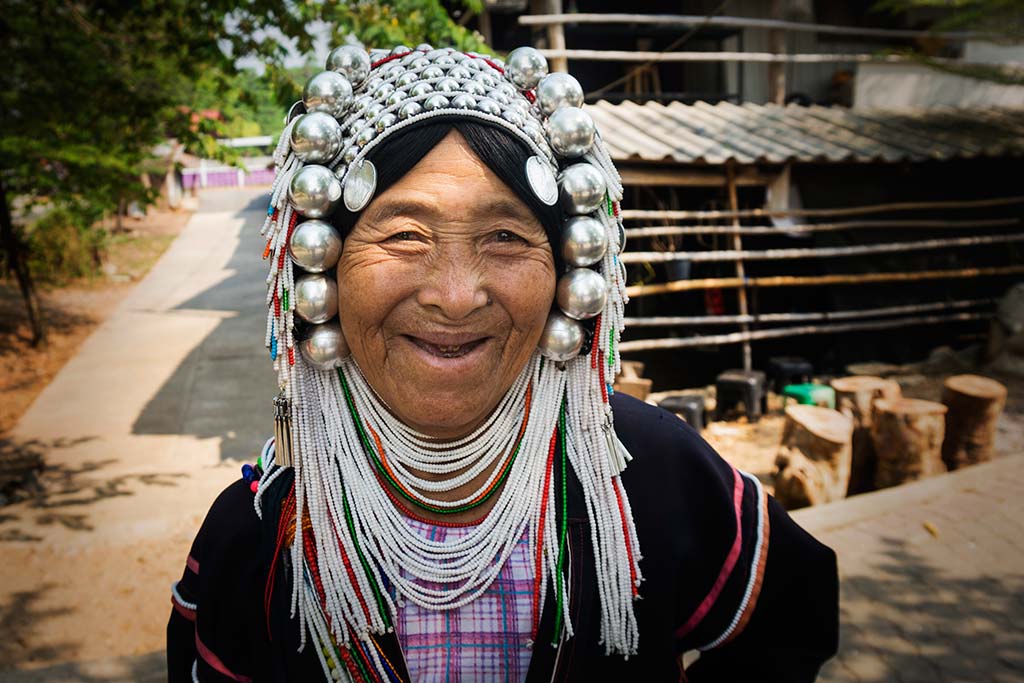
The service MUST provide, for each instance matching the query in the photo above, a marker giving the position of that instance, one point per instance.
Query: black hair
(500, 150)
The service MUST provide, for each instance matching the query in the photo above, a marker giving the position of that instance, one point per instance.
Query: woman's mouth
(448, 349)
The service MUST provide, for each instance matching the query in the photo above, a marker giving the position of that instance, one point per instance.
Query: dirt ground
(73, 311)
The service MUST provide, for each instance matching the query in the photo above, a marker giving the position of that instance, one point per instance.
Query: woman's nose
(454, 286)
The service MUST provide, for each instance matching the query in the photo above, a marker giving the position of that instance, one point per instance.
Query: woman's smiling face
(445, 283)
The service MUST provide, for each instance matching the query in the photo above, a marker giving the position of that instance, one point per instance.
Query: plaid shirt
(485, 640)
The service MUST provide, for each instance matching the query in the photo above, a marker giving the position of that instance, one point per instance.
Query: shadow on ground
(916, 623)
(224, 387)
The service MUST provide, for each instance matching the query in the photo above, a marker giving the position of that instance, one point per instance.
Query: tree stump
(975, 404)
(907, 436)
(855, 396)
(813, 463)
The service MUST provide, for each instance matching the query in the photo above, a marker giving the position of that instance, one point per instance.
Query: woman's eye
(404, 236)
(508, 236)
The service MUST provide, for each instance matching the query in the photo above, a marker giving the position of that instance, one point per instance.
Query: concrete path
(932, 578)
(141, 429)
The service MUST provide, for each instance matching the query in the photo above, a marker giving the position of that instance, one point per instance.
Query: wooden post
(813, 463)
(777, 70)
(737, 245)
(555, 32)
(907, 436)
(855, 397)
(484, 26)
(975, 404)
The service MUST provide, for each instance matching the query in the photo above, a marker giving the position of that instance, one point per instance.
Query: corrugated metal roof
(703, 133)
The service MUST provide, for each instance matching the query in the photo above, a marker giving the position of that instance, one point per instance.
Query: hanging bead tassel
(282, 432)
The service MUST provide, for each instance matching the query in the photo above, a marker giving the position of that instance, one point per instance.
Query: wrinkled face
(444, 286)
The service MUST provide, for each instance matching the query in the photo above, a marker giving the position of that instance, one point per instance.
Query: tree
(89, 87)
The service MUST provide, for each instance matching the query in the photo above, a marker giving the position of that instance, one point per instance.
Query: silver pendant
(360, 186)
(542, 180)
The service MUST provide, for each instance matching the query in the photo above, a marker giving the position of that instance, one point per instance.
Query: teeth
(449, 349)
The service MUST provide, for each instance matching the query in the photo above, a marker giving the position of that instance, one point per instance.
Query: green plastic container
(810, 394)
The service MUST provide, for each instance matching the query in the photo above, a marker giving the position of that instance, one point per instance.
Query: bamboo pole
(809, 280)
(721, 229)
(629, 214)
(737, 245)
(819, 252)
(736, 337)
(698, 320)
(691, 20)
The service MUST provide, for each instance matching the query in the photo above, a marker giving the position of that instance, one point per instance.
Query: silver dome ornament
(419, 63)
(488, 106)
(581, 293)
(499, 97)
(561, 339)
(316, 138)
(324, 346)
(400, 50)
(460, 72)
(464, 101)
(542, 180)
(374, 110)
(582, 189)
(315, 246)
(485, 78)
(420, 89)
(314, 191)
(352, 62)
(406, 79)
(316, 297)
(383, 91)
(364, 136)
(350, 153)
(396, 98)
(474, 88)
(445, 60)
(513, 116)
(424, 47)
(432, 72)
(361, 104)
(373, 84)
(558, 90)
(328, 92)
(584, 241)
(435, 102)
(571, 132)
(360, 185)
(447, 85)
(393, 71)
(526, 66)
(409, 109)
(385, 121)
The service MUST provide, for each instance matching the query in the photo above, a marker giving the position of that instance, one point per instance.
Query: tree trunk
(16, 262)
(907, 435)
(813, 463)
(975, 404)
(855, 397)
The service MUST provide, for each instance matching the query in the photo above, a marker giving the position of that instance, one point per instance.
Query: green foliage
(1002, 20)
(63, 246)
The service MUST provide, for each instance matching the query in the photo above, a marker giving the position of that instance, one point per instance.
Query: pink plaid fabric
(486, 640)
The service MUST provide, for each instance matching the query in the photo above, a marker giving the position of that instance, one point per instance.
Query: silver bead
(420, 89)
(352, 62)
(435, 101)
(385, 121)
(571, 131)
(460, 72)
(393, 71)
(355, 125)
(409, 109)
(328, 92)
(513, 117)
(581, 293)
(445, 60)
(432, 72)
(435, 54)
(419, 63)
(350, 153)
(485, 78)
(340, 170)
(395, 98)
(509, 91)
(406, 79)
(526, 66)
(474, 88)
(314, 191)
(488, 106)
(364, 136)
(582, 189)
(315, 246)
(361, 103)
(424, 47)
(383, 91)
(401, 50)
(499, 97)
(447, 85)
(373, 84)
(373, 111)
(463, 101)
(316, 297)
(316, 138)
(324, 346)
(584, 241)
(558, 90)
(561, 339)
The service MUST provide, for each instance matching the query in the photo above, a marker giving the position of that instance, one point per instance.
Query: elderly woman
(454, 492)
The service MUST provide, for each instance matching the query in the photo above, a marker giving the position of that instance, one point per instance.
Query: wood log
(907, 437)
(813, 462)
(975, 404)
(635, 387)
(632, 369)
(855, 397)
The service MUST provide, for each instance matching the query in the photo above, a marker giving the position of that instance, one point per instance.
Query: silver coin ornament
(542, 180)
(324, 346)
(581, 293)
(561, 339)
(360, 185)
(351, 61)
(328, 92)
(314, 191)
(571, 132)
(316, 138)
(582, 189)
(525, 67)
(316, 297)
(584, 241)
(558, 90)
(315, 246)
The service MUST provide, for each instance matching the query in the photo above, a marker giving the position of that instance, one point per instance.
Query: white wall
(914, 86)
